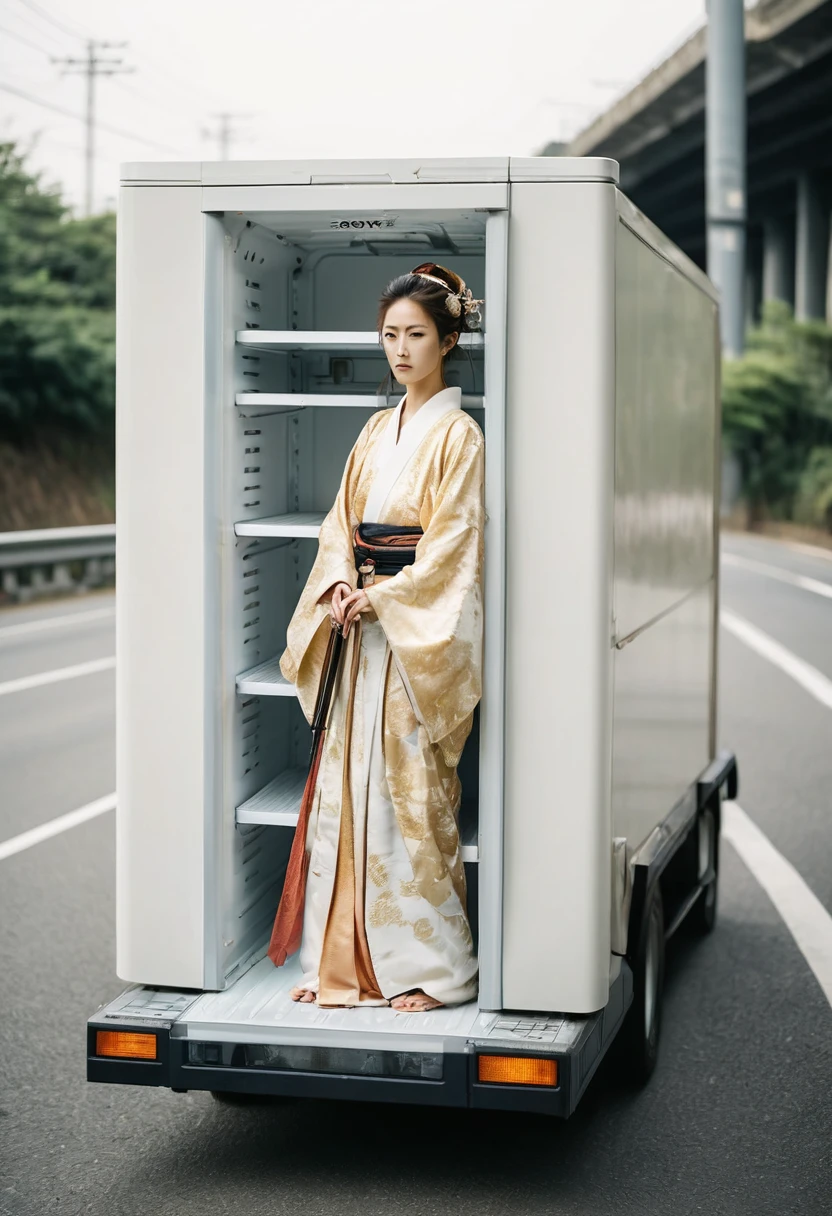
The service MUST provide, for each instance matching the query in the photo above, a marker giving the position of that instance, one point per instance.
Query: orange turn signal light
(125, 1045)
(517, 1070)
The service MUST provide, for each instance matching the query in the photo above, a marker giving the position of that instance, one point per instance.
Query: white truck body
(247, 365)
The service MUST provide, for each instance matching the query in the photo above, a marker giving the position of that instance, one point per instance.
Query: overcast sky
(321, 78)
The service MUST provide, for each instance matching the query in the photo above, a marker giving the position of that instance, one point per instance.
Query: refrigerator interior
(300, 374)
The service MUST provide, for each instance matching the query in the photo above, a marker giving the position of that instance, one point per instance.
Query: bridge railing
(49, 560)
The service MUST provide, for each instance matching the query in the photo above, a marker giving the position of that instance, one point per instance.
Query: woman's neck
(418, 394)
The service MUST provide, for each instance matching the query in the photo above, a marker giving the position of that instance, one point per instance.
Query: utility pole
(92, 67)
(725, 171)
(224, 133)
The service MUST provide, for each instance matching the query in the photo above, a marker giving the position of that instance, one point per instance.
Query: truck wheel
(638, 1039)
(702, 916)
(226, 1098)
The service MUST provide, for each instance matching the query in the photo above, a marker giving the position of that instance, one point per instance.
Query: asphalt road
(736, 1119)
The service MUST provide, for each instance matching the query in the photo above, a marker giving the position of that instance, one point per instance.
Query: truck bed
(252, 1038)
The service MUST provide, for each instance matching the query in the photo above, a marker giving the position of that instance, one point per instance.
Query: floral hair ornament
(455, 301)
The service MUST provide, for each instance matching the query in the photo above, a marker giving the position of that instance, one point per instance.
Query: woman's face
(411, 342)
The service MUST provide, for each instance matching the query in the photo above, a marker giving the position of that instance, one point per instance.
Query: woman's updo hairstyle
(442, 294)
(444, 297)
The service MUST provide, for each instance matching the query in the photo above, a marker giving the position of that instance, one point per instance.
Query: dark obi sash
(390, 547)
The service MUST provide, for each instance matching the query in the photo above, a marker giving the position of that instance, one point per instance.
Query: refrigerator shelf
(278, 803)
(276, 340)
(266, 680)
(294, 524)
(255, 405)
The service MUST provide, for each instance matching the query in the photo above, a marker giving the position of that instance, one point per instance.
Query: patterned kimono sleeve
(306, 640)
(431, 611)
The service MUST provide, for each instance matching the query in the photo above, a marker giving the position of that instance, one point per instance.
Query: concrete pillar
(61, 576)
(778, 259)
(811, 249)
(725, 191)
(92, 572)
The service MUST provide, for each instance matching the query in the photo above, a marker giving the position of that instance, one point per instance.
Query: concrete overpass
(657, 132)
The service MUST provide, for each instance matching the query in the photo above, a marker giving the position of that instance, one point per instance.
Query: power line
(39, 138)
(162, 72)
(47, 16)
(161, 105)
(92, 67)
(167, 74)
(39, 28)
(21, 38)
(48, 105)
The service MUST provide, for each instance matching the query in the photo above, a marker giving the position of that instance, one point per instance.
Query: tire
(701, 919)
(226, 1098)
(637, 1045)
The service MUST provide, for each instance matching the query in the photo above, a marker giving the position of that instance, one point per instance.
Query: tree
(57, 310)
(777, 408)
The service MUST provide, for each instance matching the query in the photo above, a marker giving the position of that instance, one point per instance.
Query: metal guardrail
(49, 560)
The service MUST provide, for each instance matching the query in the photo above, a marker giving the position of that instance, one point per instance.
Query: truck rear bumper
(447, 1073)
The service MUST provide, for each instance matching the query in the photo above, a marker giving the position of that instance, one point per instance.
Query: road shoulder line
(56, 622)
(800, 909)
(803, 581)
(803, 673)
(58, 674)
(55, 826)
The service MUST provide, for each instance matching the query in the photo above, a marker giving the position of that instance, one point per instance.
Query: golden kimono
(385, 905)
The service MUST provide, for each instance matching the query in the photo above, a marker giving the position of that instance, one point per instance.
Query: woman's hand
(351, 606)
(335, 599)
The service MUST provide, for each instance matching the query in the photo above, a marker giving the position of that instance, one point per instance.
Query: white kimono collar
(393, 458)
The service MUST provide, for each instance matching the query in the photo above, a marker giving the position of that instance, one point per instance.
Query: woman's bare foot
(304, 995)
(415, 1001)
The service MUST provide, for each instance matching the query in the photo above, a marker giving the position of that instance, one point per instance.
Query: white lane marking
(796, 580)
(54, 622)
(761, 541)
(54, 677)
(803, 914)
(808, 677)
(55, 826)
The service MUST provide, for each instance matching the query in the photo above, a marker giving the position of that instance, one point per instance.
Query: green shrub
(777, 411)
(57, 301)
(813, 503)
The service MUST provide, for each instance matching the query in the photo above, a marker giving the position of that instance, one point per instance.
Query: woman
(384, 917)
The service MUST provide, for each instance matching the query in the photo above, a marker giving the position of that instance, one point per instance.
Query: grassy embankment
(56, 483)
